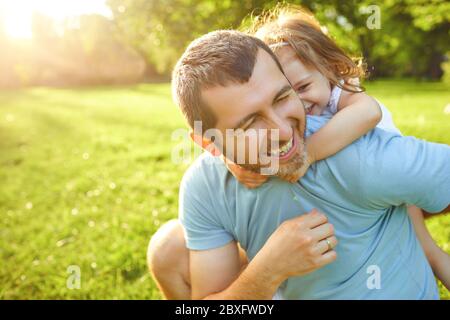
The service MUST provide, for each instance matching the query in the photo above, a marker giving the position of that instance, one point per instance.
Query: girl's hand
(248, 178)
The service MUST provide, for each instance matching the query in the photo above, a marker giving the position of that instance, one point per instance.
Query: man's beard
(285, 170)
(294, 166)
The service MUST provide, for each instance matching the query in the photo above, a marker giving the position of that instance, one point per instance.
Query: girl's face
(311, 86)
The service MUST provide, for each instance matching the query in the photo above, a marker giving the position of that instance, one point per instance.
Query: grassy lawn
(86, 179)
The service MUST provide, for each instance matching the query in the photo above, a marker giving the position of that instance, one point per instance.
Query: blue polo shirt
(363, 190)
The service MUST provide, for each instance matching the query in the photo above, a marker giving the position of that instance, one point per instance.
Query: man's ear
(205, 144)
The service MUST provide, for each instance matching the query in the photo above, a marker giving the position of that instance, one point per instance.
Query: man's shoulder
(361, 166)
(373, 141)
(205, 167)
(314, 123)
(348, 165)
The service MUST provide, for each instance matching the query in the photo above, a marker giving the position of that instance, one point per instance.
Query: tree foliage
(412, 40)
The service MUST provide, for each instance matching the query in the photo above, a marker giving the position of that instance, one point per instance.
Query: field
(86, 179)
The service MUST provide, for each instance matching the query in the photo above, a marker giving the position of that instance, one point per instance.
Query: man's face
(267, 101)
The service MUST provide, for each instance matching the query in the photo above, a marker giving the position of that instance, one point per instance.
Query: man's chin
(294, 169)
(291, 177)
(290, 171)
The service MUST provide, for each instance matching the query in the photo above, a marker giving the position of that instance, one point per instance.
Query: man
(227, 80)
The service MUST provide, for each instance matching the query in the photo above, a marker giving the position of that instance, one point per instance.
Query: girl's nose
(304, 99)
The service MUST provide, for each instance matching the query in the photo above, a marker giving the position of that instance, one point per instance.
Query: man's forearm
(255, 282)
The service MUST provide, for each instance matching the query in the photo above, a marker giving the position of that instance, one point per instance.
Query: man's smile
(308, 110)
(286, 151)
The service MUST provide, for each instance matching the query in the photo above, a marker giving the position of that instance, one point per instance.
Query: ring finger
(324, 246)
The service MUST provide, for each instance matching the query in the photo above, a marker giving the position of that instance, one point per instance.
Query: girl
(327, 82)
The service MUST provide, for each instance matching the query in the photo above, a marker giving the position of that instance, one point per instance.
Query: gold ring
(329, 244)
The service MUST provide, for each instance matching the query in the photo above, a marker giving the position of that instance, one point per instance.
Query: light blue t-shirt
(363, 190)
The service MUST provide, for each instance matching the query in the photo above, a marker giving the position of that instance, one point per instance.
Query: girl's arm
(438, 259)
(357, 114)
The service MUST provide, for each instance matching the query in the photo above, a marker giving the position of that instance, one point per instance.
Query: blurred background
(60, 43)
(86, 119)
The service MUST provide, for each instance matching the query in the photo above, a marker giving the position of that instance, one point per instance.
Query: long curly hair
(293, 25)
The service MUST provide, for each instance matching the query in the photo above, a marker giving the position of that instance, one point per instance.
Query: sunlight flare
(17, 15)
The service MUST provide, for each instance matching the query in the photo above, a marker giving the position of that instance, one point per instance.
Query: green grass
(86, 179)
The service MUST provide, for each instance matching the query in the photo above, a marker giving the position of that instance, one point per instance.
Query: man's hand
(299, 246)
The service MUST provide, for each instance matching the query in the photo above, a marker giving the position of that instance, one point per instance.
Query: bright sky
(16, 14)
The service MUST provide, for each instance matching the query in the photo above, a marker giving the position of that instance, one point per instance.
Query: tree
(160, 30)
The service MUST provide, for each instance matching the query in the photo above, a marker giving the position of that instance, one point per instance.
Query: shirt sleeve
(405, 170)
(386, 122)
(199, 215)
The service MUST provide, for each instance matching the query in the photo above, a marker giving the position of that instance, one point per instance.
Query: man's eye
(248, 123)
(303, 88)
(283, 98)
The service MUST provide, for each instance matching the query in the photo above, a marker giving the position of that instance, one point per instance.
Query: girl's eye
(303, 88)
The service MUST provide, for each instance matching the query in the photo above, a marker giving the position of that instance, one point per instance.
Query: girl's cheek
(323, 98)
(309, 96)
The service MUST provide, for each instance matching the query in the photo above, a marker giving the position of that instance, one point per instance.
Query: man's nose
(283, 126)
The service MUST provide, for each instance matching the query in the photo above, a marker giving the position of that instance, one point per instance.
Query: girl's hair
(294, 26)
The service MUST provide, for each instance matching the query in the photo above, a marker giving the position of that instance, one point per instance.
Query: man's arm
(297, 247)
(215, 275)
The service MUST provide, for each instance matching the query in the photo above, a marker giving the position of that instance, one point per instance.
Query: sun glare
(16, 15)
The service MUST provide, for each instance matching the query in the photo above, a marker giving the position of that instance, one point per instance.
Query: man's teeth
(284, 150)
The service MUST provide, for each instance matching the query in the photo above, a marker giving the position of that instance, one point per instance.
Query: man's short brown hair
(218, 58)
